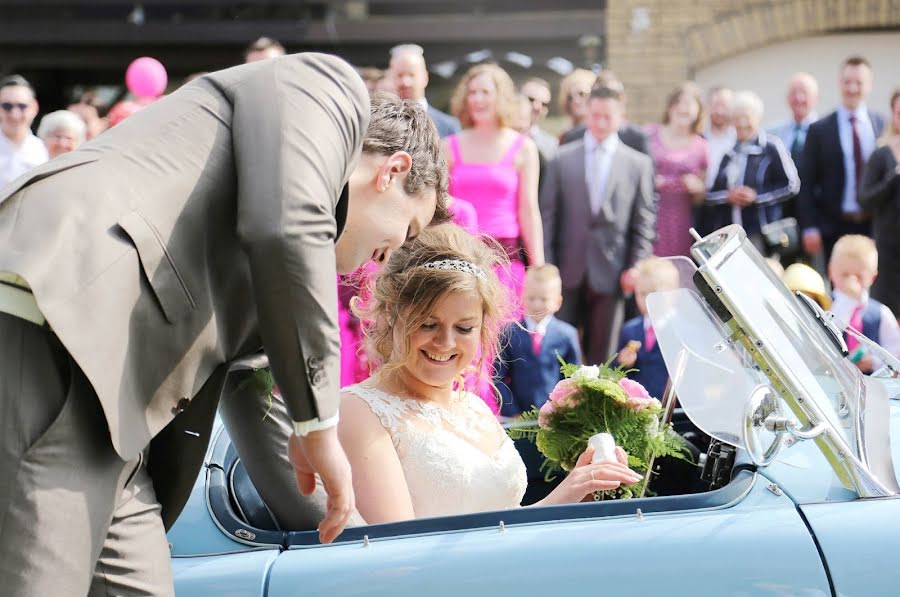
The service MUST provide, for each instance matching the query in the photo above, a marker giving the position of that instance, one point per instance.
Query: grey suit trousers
(260, 429)
(597, 316)
(61, 478)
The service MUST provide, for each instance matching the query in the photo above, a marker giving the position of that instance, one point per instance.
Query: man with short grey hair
(410, 75)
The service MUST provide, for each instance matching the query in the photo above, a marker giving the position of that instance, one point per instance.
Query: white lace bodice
(456, 460)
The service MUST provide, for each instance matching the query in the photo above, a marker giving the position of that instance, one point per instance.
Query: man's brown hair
(402, 125)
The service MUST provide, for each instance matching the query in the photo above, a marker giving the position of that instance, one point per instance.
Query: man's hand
(812, 242)
(320, 452)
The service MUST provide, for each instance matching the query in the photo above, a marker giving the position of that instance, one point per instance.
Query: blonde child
(637, 340)
(853, 268)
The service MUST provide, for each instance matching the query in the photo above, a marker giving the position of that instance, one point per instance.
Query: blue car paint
(243, 574)
(860, 541)
(757, 546)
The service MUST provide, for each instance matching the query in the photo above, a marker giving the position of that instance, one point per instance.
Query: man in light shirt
(410, 76)
(20, 149)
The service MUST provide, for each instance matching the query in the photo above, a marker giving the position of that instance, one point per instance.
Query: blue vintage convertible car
(796, 493)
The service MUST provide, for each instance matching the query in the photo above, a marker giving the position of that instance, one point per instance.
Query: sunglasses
(9, 106)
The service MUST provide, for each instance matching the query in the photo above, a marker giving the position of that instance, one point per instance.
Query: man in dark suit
(630, 134)
(528, 365)
(410, 75)
(836, 150)
(599, 212)
(137, 268)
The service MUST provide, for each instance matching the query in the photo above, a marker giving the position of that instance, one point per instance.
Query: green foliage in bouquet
(599, 399)
(263, 383)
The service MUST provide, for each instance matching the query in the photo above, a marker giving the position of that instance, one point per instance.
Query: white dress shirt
(849, 203)
(539, 327)
(597, 163)
(717, 145)
(17, 159)
(888, 332)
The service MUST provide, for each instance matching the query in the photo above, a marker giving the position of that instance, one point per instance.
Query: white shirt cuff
(303, 428)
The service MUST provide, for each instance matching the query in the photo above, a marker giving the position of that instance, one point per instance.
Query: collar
(861, 113)
(591, 143)
(843, 297)
(646, 321)
(538, 326)
(754, 146)
(810, 118)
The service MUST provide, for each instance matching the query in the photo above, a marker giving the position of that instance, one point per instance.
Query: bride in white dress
(419, 444)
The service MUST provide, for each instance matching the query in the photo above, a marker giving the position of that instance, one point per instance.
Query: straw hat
(799, 276)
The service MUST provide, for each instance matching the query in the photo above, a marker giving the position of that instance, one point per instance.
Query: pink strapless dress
(493, 190)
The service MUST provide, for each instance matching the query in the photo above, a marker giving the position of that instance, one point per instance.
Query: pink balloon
(146, 77)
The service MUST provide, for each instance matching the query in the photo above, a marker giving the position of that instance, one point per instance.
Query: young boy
(853, 268)
(527, 367)
(637, 339)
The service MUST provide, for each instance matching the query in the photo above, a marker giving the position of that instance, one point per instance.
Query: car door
(746, 539)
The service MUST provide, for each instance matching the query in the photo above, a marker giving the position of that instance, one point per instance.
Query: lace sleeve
(387, 408)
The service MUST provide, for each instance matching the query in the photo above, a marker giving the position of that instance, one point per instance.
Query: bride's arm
(378, 481)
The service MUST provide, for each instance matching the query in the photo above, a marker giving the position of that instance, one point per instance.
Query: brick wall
(653, 45)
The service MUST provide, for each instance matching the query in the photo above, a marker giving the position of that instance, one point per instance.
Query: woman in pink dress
(495, 168)
(681, 160)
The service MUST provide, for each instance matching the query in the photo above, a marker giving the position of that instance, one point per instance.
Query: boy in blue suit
(527, 367)
(637, 339)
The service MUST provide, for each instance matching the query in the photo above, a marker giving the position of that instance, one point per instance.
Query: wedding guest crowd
(600, 195)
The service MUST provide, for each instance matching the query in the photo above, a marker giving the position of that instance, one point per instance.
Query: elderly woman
(61, 131)
(754, 177)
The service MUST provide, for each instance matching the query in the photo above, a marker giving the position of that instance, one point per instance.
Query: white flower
(586, 372)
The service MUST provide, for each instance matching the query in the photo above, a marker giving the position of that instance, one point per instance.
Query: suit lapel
(607, 213)
(582, 181)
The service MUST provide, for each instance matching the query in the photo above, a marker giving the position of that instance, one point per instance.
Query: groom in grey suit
(598, 205)
(134, 270)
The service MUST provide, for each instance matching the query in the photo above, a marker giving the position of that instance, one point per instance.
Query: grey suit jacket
(598, 247)
(445, 124)
(197, 231)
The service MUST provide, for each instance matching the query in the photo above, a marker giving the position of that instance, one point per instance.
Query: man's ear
(394, 167)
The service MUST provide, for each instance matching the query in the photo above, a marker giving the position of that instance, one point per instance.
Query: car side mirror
(761, 442)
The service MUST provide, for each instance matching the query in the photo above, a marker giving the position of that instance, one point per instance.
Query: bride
(419, 444)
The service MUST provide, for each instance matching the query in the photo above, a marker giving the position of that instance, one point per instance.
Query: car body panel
(239, 574)
(860, 541)
(660, 553)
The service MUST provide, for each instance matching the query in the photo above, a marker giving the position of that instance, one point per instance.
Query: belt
(856, 217)
(16, 299)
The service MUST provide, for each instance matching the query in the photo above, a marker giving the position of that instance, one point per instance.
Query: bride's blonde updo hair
(443, 260)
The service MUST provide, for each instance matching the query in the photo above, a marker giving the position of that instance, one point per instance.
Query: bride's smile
(446, 342)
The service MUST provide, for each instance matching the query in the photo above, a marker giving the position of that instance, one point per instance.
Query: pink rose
(563, 389)
(544, 416)
(638, 397)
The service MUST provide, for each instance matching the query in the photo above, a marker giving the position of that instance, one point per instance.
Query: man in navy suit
(836, 150)
(638, 348)
(410, 76)
(527, 367)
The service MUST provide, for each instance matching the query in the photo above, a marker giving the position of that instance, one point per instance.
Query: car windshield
(772, 338)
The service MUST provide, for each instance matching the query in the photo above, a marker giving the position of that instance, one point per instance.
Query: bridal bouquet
(599, 399)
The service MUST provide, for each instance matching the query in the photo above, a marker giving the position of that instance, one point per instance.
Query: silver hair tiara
(458, 265)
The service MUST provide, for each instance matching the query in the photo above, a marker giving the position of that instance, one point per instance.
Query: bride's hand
(587, 478)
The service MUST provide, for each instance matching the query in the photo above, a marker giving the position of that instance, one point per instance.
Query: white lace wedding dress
(456, 460)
